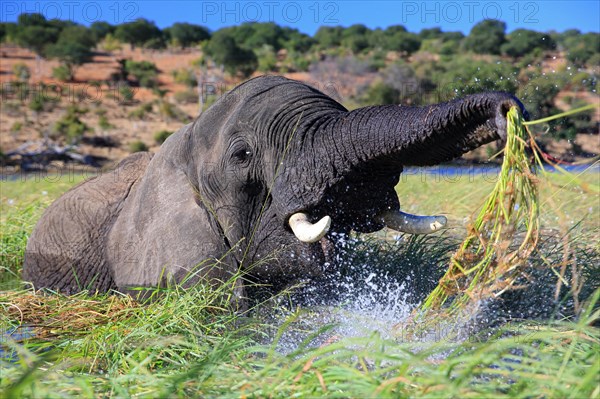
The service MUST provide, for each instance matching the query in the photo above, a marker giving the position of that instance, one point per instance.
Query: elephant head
(264, 181)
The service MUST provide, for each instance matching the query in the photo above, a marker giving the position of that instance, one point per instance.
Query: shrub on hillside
(61, 73)
(171, 112)
(137, 146)
(104, 124)
(110, 44)
(185, 77)
(144, 72)
(141, 111)
(161, 136)
(70, 126)
(37, 104)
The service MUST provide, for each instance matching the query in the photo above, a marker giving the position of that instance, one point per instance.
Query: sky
(308, 15)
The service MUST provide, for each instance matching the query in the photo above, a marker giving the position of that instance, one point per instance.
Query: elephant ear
(66, 250)
(164, 232)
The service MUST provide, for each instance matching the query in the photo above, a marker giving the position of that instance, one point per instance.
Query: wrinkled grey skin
(218, 194)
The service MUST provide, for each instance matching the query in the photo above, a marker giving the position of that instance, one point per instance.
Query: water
(491, 170)
(374, 290)
(442, 170)
(368, 309)
(14, 334)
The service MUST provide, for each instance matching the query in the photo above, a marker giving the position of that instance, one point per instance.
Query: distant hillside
(110, 92)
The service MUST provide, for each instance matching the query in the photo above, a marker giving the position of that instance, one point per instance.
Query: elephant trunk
(420, 136)
(365, 150)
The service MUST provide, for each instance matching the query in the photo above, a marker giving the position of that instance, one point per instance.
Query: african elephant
(262, 181)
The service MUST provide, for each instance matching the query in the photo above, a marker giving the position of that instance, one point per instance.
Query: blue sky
(308, 15)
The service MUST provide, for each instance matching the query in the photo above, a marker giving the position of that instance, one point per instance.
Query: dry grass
(505, 232)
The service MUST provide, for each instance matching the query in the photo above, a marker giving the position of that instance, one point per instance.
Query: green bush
(539, 96)
(126, 94)
(593, 61)
(580, 48)
(380, 93)
(104, 124)
(486, 37)
(161, 136)
(110, 44)
(137, 146)
(267, 59)
(185, 77)
(225, 50)
(156, 43)
(70, 126)
(582, 81)
(141, 111)
(62, 73)
(144, 72)
(524, 41)
(172, 112)
(37, 104)
(464, 75)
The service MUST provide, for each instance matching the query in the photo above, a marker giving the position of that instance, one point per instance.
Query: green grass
(459, 197)
(22, 202)
(186, 343)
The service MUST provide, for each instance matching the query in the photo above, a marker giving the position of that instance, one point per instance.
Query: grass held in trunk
(505, 231)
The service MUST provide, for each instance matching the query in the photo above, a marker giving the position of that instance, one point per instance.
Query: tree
(34, 32)
(71, 54)
(72, 48)
(398, 39)
(79, 34)
(524, 41)
(225, 51)
(137, 32)
(380, 93)
(185, 77)
(100, 29)
(431, 33)
(486, 37)
(539, 96)
(156, 43)
(185, 34)
(463, 75)
(329, 36)
(110, 43)
(267, 59)
(255, 35)
(356, 38)
(581, 48)
(296, 41)
(7, 31)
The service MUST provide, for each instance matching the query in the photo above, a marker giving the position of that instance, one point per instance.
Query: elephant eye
(242, 155)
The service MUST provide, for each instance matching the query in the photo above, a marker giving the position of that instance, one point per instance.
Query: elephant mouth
(309, 232)
(360, 203)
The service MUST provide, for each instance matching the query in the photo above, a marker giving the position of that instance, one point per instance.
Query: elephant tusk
(307, 232)
(412, 224)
